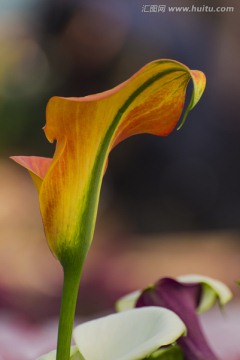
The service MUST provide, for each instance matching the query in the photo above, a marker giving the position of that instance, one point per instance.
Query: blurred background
(169, 206)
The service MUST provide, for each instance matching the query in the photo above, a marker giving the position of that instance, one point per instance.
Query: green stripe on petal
(199, 84)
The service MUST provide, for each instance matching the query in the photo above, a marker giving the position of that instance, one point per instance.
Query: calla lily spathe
(86, 129)
(131, 335)
(186, 296)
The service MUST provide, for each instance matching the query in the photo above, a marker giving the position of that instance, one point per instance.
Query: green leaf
(170, 353)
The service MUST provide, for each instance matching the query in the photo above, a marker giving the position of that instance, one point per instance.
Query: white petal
(127, 302)
(129, 335)
(213, 290)
(74, 355)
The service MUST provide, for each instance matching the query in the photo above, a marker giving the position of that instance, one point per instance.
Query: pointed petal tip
(199, 84)
(21, 160)
(34, 164)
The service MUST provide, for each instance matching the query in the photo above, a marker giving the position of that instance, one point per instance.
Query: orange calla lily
(86, 129)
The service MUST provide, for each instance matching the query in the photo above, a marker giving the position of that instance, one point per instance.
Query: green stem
(67, 312)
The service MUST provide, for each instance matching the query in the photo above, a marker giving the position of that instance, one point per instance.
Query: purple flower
(186, 296)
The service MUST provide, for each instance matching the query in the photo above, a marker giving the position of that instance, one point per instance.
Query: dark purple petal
(183, 299)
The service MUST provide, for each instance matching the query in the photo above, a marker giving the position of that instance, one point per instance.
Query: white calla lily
(130, 335)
